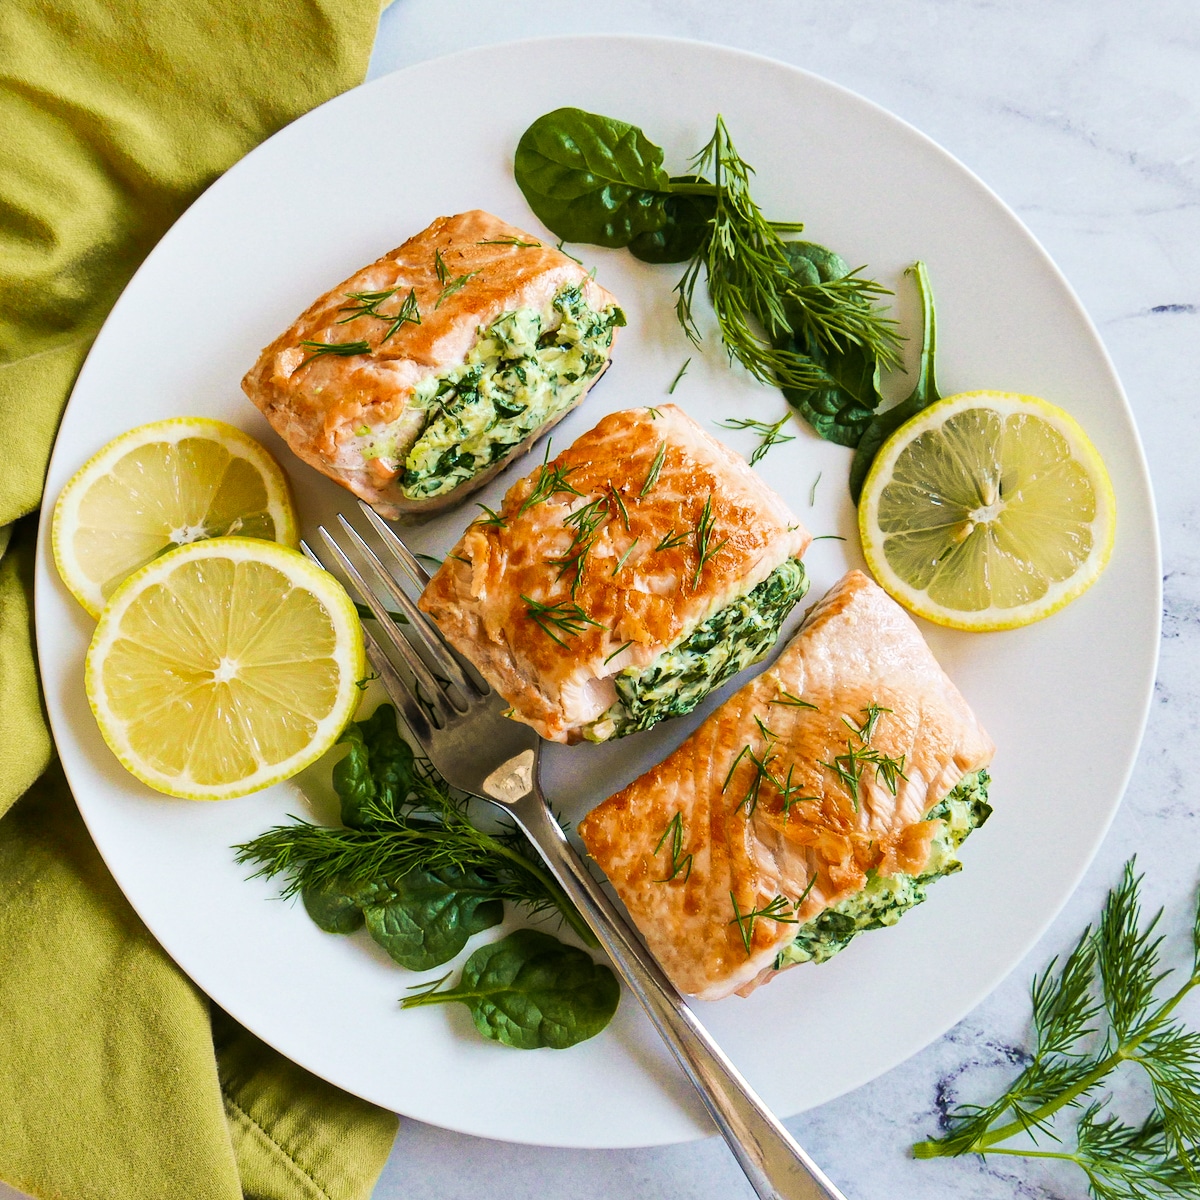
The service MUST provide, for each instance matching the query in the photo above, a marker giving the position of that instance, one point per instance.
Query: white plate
(1065, 700)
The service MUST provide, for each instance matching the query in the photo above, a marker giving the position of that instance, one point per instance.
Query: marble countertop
(1084, 115)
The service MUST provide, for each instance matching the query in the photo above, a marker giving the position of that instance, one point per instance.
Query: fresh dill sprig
(770, 435)
(564, 616)
(678, 376)
(618, 650)
(754, 292)
(654, 413)
(619, 503)
(769, 735)
(624, 557)
(829, 537)
(562, 249)
(848, 768)
(679, 860)
(1097, 1011)
(449, 285)
(775, 910)
(866, 731)
(671, 539)
(790, 701)
(812, 491)
(510, 241)
(550, 482)
(788, 798)
(887, 768)
(339, 349)
(366, 304)
(490, 517)
(585, 520)
(705, 550)
(655, 470)
(430, 829)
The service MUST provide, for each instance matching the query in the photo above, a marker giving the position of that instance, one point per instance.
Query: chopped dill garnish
(367, 305)
(775, 910)
(679, 860)
(812, 491)
(888, 769)
(829, 537)
(848, 768)
(790, 701)
(788, 797)
(340, 349)
(510, 241)
(771, 435)
(561, 248)
(655, 470)
(705, 550)
(585, 520)
(678, 376)
(866, 731)
(363, 683)
(490, 517)
(550, 482)
(671, 539)
(459, 558)
(620, 505)
(566, 617)
(654, 413)
(733, 766)
(804, 894)
(762, 774)
(769, 734)
(449, 286)
(618, 650)
(621, 561)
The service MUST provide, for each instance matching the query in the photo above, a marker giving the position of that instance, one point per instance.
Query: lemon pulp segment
(159, 486)
(987, 511)
(224, 666)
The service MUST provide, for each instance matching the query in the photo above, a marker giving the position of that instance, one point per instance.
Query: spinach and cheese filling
(678, 679)
(886, 898)
(521, 373)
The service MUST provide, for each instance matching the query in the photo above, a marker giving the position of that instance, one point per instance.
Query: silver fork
(458, 721)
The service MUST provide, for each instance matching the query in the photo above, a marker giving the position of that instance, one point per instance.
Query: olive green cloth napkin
(117, 1080)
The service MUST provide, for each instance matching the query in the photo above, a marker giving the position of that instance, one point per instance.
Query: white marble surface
(1085, 116)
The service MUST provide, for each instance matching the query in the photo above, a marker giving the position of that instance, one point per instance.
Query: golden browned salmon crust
(318, 403)
(647, 579)
(797, 806)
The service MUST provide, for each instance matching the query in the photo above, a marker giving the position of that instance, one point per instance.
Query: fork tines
(437, 697)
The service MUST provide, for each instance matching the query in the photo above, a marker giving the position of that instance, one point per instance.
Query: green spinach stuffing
(886, 898)
(731, 639)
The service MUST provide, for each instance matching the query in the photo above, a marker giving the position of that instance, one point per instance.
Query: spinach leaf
(923, 395)
(424, 918)
(842, 403)
(379, 768)
(591, 178)
(529, 990)
(333, 907)
(689, 221)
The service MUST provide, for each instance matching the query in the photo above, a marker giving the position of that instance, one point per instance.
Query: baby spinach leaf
(529, 990)
(689, 220)
(843, 403)
(923, 395)
(591, 178)
(332, 907)
(424, 918)
(379, 767)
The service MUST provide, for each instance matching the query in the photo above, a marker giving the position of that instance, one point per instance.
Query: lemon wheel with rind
(162, 485)
(223, 667)
(987, 511)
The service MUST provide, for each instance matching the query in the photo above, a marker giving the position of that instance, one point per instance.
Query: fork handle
(777, 1167)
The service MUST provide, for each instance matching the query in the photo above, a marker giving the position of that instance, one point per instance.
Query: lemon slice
(223, 667)
(159, 486)
(988, 510)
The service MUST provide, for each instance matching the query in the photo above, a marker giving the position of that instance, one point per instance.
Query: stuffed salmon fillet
(624, 580)
(415, 380)
(819, 800)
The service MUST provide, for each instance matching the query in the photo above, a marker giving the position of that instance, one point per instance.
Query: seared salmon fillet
(622, 581)
(817, 772)
(415, 380)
